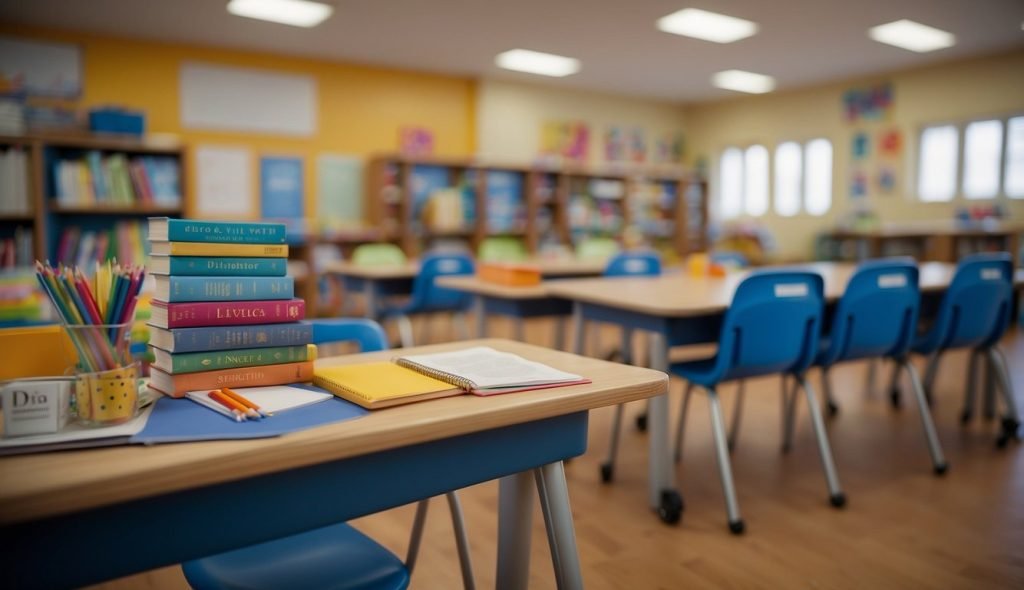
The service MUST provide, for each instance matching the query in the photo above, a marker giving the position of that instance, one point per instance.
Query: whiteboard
(223, 98)
(41, 69)
(224, 182)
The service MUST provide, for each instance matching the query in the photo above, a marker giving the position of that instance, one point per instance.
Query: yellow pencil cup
(108, 397)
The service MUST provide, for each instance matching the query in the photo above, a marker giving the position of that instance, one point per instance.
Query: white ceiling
(801, 42)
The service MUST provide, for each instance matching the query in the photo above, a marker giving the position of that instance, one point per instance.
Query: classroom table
(679, 310)
(518, 302)
(79, 517)
(394, 280)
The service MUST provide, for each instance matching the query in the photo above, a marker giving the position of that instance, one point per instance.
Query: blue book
(230, 337)
(164, 179)
(174, 289)
(211, 266)
(164, 229)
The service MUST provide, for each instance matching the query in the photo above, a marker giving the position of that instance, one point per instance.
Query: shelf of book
(103, 209)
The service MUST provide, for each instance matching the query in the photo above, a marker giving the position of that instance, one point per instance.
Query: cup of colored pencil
(97, 313)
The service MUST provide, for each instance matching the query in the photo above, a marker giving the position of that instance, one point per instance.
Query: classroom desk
(79, 517)
(679, 310)
(516, 302)
(377, 281)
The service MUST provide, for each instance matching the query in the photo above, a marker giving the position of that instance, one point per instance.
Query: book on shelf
(479, 370)
(226, 313)
(175, 289)
(164, 248)
(228, 337)
(14, 191)
(125, 241)
(17, 251)
(164, 229)
(117, 179)
(263, 375)
(217, 266)
(196, 362)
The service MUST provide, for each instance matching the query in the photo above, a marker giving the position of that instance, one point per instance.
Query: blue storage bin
(111, 120)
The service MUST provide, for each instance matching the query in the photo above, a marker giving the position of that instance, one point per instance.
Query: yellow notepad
(379, 385)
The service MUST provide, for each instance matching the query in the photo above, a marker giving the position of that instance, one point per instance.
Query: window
(1013, 181)
(755, 185)
(731, 183)
(983, 147)
(818, 177)
(788, 173)
(936, 170)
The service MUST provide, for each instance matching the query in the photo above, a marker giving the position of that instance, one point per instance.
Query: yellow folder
(379, 385)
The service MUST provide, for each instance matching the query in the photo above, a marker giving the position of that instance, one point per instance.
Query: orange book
(177, 385)
(513, 275)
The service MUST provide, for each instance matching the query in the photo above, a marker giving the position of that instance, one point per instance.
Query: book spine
(229, 289)
(233, 359)
(188, 230)
(232, 313)
(242, 377)
(232, 337)
(213, 266)
(244, 250)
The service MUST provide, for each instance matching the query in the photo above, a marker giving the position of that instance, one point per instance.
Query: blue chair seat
(337, 557)
(701, 372)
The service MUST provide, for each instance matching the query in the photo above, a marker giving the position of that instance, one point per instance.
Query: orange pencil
(242, 400)
(231, 404)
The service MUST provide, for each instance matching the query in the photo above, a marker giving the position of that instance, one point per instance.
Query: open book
(479, 370)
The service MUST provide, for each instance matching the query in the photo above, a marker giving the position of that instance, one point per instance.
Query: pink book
(226, 313)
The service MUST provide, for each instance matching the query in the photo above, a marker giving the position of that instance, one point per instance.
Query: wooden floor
(903, 527)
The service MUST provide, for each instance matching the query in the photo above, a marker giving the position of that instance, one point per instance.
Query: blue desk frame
(112, 541)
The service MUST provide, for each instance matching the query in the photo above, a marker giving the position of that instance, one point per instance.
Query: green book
(195, 362)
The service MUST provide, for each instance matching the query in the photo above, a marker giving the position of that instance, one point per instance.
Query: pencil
(228, 402)
(242, 400)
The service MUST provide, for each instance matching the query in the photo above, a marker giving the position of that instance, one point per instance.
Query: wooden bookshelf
(114, 209)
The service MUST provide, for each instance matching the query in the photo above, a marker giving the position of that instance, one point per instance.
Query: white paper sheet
(270, 399)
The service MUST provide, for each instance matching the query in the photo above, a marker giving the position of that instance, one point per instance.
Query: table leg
(559, 333)
(577, 328)
(481, 320)
(662, 474)
(554, 501)
(515, 514)
(519, 329)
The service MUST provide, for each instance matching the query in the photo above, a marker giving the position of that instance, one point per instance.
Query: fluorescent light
(913, 36)
(741, 81)
(709, 26)
(298, 13)
(535, 62)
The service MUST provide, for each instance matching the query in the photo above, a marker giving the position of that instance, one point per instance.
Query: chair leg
(678, 454)
(724, 467)
(934, 447)
(835, 491)
(608, 467)
(405, 330)
(869, 385)
(1011, 419)
(894, 387)
(789, 396)
(970, 391)
(641, 418)
(461, 540)
(930, 373)
(988, 391)
(830, 401)
(417, 534)
(737, 413)
(554, 503)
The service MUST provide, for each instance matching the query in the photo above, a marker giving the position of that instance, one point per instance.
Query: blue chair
(876, 318)
(336, 557)
(625, 264)
(771, 327)
(428, 298)
(975, 313)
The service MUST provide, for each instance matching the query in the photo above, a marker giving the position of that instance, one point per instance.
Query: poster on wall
(339, 189)
(415, 141)
(38, 68)
(565, 139)
(890, 160)
(668, 148)
(868, 103)
(637, 145)
(281, 194)
(614, 144)
(223, 182)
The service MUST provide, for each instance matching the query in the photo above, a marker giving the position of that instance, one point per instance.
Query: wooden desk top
(477, 286)
(36, 486)
(683, 295)
(548, 267)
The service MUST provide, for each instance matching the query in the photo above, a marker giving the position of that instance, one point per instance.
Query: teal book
(164, 229)
(174, 289)
(210, 266)
(194, 362)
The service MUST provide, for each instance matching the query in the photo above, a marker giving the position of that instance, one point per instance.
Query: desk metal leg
(515, 513)
(519, 329)
(481, 320)
(560, 333)
(663, 495)
(554, 502)
(577, 328)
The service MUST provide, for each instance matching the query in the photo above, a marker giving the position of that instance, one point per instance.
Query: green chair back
(502, 249)
(597, 249)
(378, 255)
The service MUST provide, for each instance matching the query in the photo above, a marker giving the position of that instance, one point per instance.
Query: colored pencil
(242, 400)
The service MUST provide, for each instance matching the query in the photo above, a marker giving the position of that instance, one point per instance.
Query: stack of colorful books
(223, 312)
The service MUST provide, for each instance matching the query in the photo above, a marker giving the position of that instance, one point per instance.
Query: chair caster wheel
(737, 527)
(1009, 431)
(671, 508)
(641, 422)
(833, 409)
(941, 469)
(607, 472)
(965, 417)
(895, 399)
(838, 500)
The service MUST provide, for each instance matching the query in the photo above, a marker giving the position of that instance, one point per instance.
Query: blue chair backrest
(772, 325)
(877, 314)
(366, 333)
(976, 309)
(637, 264)
(427, 296)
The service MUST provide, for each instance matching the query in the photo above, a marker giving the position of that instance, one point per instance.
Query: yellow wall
(360, 109)
(511, 115)
(992, 86)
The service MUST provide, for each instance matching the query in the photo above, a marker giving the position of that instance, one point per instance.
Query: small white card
(35, 407)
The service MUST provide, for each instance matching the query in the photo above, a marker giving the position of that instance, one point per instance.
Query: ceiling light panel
(536, 62)
(298, 13)
(741, 81)
(709, 26)
(908, 34)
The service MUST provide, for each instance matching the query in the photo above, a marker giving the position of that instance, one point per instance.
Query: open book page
(486, 368)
